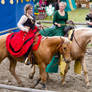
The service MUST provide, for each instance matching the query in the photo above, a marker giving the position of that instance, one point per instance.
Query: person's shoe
(27, 62)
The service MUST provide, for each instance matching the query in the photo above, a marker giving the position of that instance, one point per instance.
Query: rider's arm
(21, 22)
(55, 20)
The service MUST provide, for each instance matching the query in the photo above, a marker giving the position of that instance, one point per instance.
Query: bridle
(62, 50)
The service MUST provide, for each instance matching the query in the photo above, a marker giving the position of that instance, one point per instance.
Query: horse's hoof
(20, 84)
(41, 86)
(31, 76)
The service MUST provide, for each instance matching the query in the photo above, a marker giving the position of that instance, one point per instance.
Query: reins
(77, 41)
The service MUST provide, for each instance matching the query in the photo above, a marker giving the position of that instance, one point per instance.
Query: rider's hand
(59, 25)
(89, 23)
(27, 29)
(40, 26)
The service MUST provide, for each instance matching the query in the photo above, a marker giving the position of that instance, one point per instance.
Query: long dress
(52, 67)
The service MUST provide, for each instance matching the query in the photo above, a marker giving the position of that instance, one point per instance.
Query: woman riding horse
(25, 37)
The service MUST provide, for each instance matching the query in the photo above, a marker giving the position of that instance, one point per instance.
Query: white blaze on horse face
(66, 48)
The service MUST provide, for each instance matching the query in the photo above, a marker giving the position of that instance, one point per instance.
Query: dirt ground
(74, 82)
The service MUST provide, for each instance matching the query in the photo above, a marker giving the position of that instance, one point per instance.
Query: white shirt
(22, 20)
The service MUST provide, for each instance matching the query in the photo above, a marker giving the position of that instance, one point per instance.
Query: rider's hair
(62, 3)
(27, 6)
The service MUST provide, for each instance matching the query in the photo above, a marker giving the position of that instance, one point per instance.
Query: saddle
(69, 32)
(21, 43)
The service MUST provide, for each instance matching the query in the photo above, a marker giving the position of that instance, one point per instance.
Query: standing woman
(59, 20)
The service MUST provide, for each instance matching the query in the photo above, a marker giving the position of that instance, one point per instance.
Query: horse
(43, 55)
(81, 38)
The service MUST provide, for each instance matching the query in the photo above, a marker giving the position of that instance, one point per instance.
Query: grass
(78, 15)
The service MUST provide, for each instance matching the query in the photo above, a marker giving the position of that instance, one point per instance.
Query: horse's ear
(62, 41)
(60, 45)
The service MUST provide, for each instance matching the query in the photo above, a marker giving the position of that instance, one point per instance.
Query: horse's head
(64, 49)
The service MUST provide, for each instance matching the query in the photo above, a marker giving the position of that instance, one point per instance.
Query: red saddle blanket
(19, 43)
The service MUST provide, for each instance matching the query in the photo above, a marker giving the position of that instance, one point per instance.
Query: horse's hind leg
(3, 55)
(12, 70)
(85, 71)
(31, 75)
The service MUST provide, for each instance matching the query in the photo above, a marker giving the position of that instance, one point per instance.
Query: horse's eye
(64, 48)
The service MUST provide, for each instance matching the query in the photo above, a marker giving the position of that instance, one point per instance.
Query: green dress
(52, 67)
(56, 31)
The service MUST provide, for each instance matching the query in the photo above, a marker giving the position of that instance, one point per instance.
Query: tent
(11, 11)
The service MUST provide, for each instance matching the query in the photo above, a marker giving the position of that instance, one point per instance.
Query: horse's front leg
(85, 71)
(12, 70)
(65, 72)
(31, 75)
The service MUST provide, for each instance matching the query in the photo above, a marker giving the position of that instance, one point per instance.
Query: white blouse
(22, 20)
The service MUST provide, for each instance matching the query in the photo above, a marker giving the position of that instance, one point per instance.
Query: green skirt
(52, 32)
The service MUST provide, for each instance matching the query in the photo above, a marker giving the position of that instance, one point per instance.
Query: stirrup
(26, 61)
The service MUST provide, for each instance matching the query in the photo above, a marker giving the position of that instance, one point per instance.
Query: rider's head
(28, 9)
